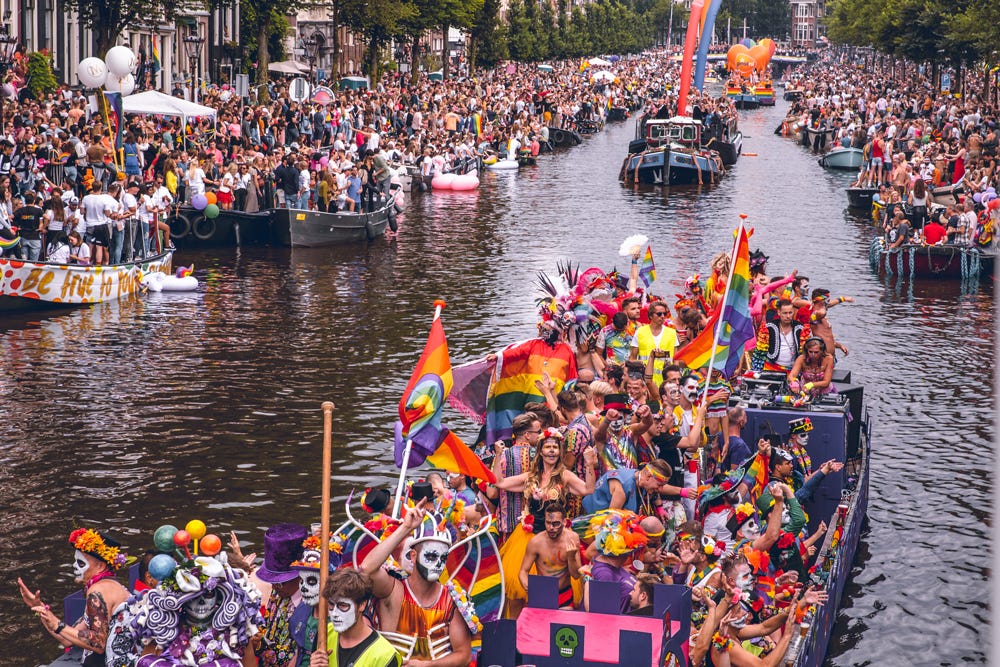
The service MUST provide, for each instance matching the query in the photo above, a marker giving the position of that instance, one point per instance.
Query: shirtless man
(96, 559)
(554, 553)
(819, 323)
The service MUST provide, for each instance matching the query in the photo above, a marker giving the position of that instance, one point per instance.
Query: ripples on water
(207, 405)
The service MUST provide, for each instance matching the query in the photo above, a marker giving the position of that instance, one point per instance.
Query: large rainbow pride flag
(518, 367)
(729, 327)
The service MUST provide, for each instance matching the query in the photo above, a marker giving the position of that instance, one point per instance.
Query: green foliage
(41, 80)
(764, 18)
(109, 18)
(960, 32)
(249, 27)
(487, 36)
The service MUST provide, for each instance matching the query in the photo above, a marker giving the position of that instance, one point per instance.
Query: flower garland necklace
(100, 576)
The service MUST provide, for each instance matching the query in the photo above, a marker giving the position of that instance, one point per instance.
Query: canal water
(180, 406)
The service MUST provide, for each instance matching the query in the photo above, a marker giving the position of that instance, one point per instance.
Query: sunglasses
(658, 314)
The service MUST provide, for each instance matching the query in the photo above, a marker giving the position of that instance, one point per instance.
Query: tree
(107, 19)
(378, 22)
(487, 37)
(261, 21)
(521, 41)
(41, 80)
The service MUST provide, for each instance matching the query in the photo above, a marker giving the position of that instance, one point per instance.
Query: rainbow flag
(113, 116)
(479, 574)
(156, 56)
(477, 122)
(420, 412)
(732, 322)
(647, 269)
(453, 455)
(518, 367)
(757, 472)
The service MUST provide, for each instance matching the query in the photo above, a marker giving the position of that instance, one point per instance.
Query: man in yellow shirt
(655, 339)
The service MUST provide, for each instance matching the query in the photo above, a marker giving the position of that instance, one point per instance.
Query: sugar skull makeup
(343, 614)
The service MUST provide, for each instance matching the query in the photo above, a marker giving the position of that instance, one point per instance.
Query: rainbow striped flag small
(156, 56)
(477, 121)
(647, 269)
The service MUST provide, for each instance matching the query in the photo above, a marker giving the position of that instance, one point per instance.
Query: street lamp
(192, 44)
(310, 49)
(8, 44)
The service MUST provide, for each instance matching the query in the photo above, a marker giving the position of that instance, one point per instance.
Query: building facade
(211, 37)
(317, 24)
(807, 25)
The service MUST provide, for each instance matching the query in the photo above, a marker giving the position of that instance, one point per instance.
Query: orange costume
(423, 632)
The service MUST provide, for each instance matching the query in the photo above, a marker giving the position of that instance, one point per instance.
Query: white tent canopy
(288, 67)
(155, 103)
(599, 62)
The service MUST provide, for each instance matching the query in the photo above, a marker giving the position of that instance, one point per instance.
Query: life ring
(393, 225)
(204, 228)
(180, 226)
(558, 136)
(370, 230)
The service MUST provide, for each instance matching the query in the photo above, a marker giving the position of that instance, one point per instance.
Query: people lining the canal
(432, 126)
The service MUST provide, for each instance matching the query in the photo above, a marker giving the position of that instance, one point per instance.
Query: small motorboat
(843, 158)
(503, 165)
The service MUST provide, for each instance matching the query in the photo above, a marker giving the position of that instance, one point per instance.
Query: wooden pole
(324, 531)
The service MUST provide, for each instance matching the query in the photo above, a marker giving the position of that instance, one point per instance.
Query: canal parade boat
(842, 158)
(916, 260)
(35, 285)
(742, 96)
(764, 92)
(191, 227)
(544, 634)
(675, 157)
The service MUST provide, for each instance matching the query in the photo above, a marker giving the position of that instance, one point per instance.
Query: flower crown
(553, 433)
(743, 512)
(617, 534)
(89, 541)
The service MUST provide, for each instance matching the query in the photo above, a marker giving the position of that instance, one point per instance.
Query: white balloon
(119, 84)
(120, 60)
(128, 84)
(92, 72)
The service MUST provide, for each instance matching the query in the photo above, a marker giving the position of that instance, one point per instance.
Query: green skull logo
(566, 642)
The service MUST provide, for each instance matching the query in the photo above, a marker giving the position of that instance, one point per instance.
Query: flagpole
(722, 307)
(324, 532)
(438, 305)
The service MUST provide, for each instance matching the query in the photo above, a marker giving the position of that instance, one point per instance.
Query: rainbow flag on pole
(647, 269)
(721, 343)
(156, 56)
(420, 412)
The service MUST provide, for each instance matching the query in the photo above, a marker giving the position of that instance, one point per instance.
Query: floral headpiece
(312, 558)
(693, 281)
(744, 511)
(617, 533)
(553, 433)
(91, 542)
(713, 548)
(803, 425)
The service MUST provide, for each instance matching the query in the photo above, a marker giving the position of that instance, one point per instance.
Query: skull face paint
(803, 439)
(80, 565)
(690, 389)
(343, 614)
(431, 560)
(201, 608)
(309, 587)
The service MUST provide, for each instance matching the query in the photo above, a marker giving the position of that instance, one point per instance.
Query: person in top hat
(279, 585)
(429, 623)
(97, 558)
(305, 619)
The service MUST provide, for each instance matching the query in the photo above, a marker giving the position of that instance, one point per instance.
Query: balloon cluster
(208, 203)
(115, 72)
(167, 539)
(749, 55)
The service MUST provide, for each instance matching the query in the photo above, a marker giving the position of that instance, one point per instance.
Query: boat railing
(833, 564)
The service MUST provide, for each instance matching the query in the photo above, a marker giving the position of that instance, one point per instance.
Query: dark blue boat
(673, 155)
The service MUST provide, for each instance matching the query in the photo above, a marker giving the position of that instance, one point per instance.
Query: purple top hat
(282, 547)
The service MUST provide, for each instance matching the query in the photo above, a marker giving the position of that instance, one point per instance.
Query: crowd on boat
(338, 155)
(928, 156)
(630, 468)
